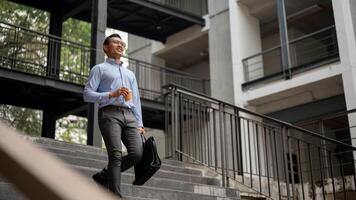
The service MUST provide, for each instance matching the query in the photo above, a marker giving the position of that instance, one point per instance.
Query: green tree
(31, 47)
(23, 119)
(72, 129)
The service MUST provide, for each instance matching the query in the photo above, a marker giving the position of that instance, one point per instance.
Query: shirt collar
(112, 61)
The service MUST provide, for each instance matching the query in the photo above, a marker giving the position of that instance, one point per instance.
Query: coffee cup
(128, 97)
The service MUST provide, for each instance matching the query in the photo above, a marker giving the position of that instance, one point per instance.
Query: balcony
(153, 19)
(306, 52)
(46, 72)
(55, 58)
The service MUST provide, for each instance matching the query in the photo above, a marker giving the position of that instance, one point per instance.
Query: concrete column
(98, 27)
(245, 41)
(221, 72)
(48, 124)
(54, 45)
(345, 21)
(142, 49)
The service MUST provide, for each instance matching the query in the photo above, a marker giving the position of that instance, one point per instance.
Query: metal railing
(31, 52)
(271, 157)
(196, 7)
(306, 52)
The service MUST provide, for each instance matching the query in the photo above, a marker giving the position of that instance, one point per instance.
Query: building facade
(289, 59)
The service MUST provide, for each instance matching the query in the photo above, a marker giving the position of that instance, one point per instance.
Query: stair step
(166, 183)
(175, 179)
(171, 184)
(46, 142)
(90, 159)
(165, 172)
(9, 192)
(66, 145)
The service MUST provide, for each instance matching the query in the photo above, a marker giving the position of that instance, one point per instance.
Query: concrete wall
(147, 77)
(345, 20)
(221, 73)
(245, 41)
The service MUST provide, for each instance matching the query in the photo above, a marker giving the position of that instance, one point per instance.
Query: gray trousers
(119, 124)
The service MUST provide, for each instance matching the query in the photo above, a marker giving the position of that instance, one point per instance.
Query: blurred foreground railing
(272, 157)
(38, 175)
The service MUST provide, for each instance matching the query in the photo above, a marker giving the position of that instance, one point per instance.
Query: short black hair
(107, 39)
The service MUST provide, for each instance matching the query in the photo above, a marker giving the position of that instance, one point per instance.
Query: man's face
(115, 48)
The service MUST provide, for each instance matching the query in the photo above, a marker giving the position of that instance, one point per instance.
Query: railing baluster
(267, 163)
(285, 166)
(321, 171)
(222, 145)
(208, 118)
(291, 165)
(215, 140)
(277, 168)
(232, 147)
(249, 150)
(181, 126)
(332, 175)
(311, 171)
(258, 158)
(341, 164)
(300, 169)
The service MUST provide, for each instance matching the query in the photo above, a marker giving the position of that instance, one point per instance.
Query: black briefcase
(149, 164)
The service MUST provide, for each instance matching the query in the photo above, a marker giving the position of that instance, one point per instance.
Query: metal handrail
(290, 42)
(307, 52)
(250, 148)
(287, 124)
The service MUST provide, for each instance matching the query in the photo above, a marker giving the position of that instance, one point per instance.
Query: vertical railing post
(16, 44)
(181, 125)
(173, 113)
(285, 150)
(258, 157)
(277, 160)
(289, 139)
(300, 169)
(222, 145)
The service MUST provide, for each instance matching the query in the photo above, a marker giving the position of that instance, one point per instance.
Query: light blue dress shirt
(107, 77)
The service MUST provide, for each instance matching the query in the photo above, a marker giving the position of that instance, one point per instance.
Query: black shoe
(101, 178)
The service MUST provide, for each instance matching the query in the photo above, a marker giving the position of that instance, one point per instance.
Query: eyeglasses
(121, 43)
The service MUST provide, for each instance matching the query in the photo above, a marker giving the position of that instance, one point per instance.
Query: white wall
(245, 41)
(345, 21)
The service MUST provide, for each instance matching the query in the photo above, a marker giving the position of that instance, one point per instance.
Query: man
(115, 88)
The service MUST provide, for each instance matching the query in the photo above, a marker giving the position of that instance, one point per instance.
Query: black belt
(115, 107)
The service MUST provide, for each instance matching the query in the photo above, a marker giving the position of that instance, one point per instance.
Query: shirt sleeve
(137, 102)
(90, 89)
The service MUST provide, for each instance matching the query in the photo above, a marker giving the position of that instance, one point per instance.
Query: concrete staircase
(172, 182)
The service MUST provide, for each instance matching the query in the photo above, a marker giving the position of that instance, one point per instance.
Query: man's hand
(120, 91)
(141, 130)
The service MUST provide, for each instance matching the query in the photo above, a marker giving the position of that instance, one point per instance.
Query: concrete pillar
(245, 41)
(54, 45)
(345, 21)
(98, 27)
(142, 49)
(221, 72)
(48, 124)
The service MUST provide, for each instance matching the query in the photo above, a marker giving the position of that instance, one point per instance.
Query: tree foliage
(23, 119)
(31, 47)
